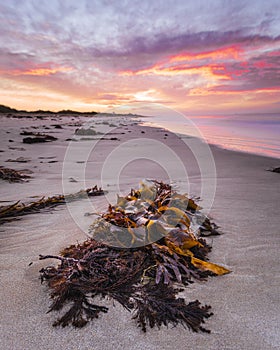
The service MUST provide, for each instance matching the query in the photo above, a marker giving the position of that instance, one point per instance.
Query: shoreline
(246, 207)
(202, 137)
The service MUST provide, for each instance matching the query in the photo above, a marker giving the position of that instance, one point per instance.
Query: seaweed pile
(12, 211)
(142, 253)
(37, 137)
(12, 175)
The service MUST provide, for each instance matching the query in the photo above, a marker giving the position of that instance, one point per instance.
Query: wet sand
(246, 303)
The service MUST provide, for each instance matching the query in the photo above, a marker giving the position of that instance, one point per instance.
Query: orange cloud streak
(228, 52)
(210, 71)
(174, 65)
(207, 92)
(40, 71)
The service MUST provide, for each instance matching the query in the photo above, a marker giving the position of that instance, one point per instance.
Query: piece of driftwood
(142, 254)
(12, 175)
(9, 212)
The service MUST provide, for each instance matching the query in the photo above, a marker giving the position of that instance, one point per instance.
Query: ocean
(257, 134)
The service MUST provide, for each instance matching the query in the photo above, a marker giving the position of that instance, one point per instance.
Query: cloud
(258, 73)
(113, 52)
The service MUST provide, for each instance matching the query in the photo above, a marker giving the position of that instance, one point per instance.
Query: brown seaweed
(275, 170)
(18, 208)
(38, 137)
(145, 278)
(12, 175)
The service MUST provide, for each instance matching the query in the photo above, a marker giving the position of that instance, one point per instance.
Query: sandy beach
(246, 202)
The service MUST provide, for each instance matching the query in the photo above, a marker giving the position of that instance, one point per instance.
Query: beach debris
(38, 137)
(12, 211)
(275, 170)
(19, 160)
(109, 138)
(86, 139)
(86, 132)
(50, 157)
(70, 139)
(57, 126)
(31, 133)
(17, 148)
(142, 253)
(155, 201)
(72, 179)
(12, 175)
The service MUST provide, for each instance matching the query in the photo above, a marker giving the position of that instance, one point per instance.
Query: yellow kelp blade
(188, 202)
(200, 264)
(182, 240)
(155, 231)
(192, 205)
(174, 215)
(147, 192)
(208, 266)
(121, 201)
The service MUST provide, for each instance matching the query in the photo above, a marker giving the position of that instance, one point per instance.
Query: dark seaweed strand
(92, 269)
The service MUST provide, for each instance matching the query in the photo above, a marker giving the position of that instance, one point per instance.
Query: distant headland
(6, 110)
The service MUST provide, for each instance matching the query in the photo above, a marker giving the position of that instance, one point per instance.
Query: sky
(197, 57)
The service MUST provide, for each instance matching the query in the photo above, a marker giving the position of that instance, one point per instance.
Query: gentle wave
(258, 134)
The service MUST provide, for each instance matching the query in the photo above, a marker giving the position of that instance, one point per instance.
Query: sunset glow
(41, 71)
(97, 56)
(232, 52)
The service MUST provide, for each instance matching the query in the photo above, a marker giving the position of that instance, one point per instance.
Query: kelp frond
(12, 175)
(12, 211)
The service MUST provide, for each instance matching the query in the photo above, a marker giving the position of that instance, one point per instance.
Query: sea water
(251, 133)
